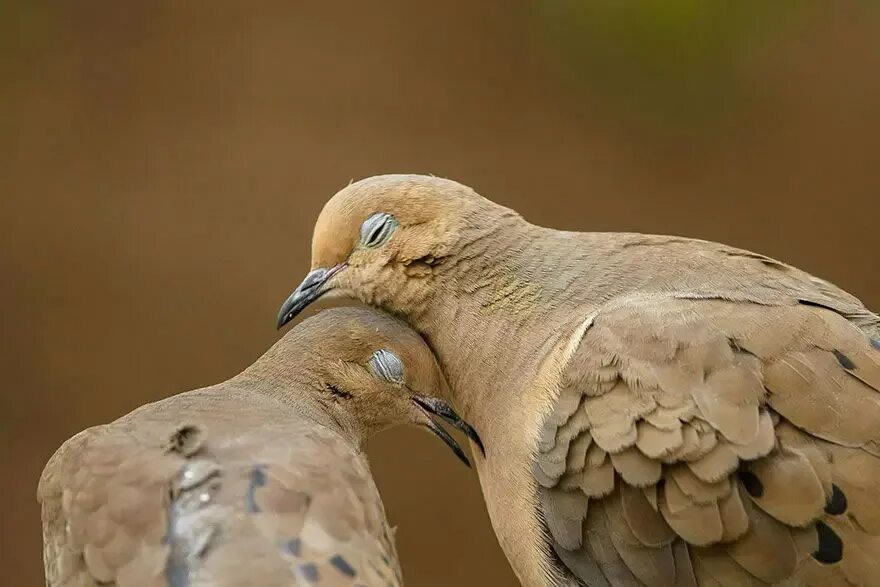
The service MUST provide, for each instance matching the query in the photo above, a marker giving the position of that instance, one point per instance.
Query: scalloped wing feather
(746, 434)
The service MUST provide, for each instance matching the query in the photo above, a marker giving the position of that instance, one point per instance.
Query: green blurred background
(162, 165)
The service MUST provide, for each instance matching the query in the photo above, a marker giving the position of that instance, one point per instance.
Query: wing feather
(747, 433)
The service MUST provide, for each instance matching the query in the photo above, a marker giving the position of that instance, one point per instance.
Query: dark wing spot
(752, 484)
(294, 546)
(309, 572)
(186, 440)
(875, 342)
(830, 546)
(258, 479)
(844, 361)
(837, 502)
(342, 565)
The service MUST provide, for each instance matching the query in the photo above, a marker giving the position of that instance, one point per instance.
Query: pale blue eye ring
(377, 229)
(386, 365)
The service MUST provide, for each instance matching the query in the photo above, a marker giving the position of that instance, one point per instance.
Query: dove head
(368, 372)
(385, 240)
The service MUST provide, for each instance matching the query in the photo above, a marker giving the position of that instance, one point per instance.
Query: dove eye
(377, 228)
(386, 365)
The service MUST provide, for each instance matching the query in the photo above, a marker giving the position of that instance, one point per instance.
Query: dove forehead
(411, 199)
(357, 328)
(355, 334)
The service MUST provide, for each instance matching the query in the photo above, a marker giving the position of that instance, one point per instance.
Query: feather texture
(737, 444)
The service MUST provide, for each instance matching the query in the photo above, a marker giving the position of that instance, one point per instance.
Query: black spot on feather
(875, 342)
(830, 548)
(258, 479)
(752, 484)
(186, 440)
(342, 565)
(837, 502)
(309, 572)
(844, 361)
(294, 546)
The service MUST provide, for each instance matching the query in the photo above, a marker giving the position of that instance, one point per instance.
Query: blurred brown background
(162, 165)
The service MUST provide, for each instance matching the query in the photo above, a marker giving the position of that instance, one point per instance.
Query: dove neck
(516, 293)
(496, 310)
(298, 385)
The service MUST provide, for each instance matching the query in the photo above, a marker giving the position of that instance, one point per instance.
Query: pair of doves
(647, 410)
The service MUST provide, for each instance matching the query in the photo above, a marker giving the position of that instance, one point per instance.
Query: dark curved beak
(450, 442)
(440, 408)
(311, 288)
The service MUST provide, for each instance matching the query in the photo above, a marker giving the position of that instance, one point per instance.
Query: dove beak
(440, 408)
(311, 288)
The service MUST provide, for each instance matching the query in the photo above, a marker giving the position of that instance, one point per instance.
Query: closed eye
(377, 229)
(387, 365)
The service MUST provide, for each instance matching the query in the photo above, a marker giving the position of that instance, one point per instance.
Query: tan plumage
(705, 414)
(256, 481)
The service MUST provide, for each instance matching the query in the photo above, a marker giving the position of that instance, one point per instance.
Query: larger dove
(656, 410)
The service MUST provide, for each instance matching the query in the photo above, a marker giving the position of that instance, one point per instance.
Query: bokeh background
(163, 162)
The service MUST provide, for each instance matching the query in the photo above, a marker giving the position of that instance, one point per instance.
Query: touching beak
(440, 408)
(311, 288)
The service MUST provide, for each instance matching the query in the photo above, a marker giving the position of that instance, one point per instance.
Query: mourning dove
(656, 410)
(256, 481)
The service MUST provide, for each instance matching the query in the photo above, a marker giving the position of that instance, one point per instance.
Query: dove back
(187, 491)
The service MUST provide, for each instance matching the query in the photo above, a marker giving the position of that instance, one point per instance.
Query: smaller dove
(259, 480)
